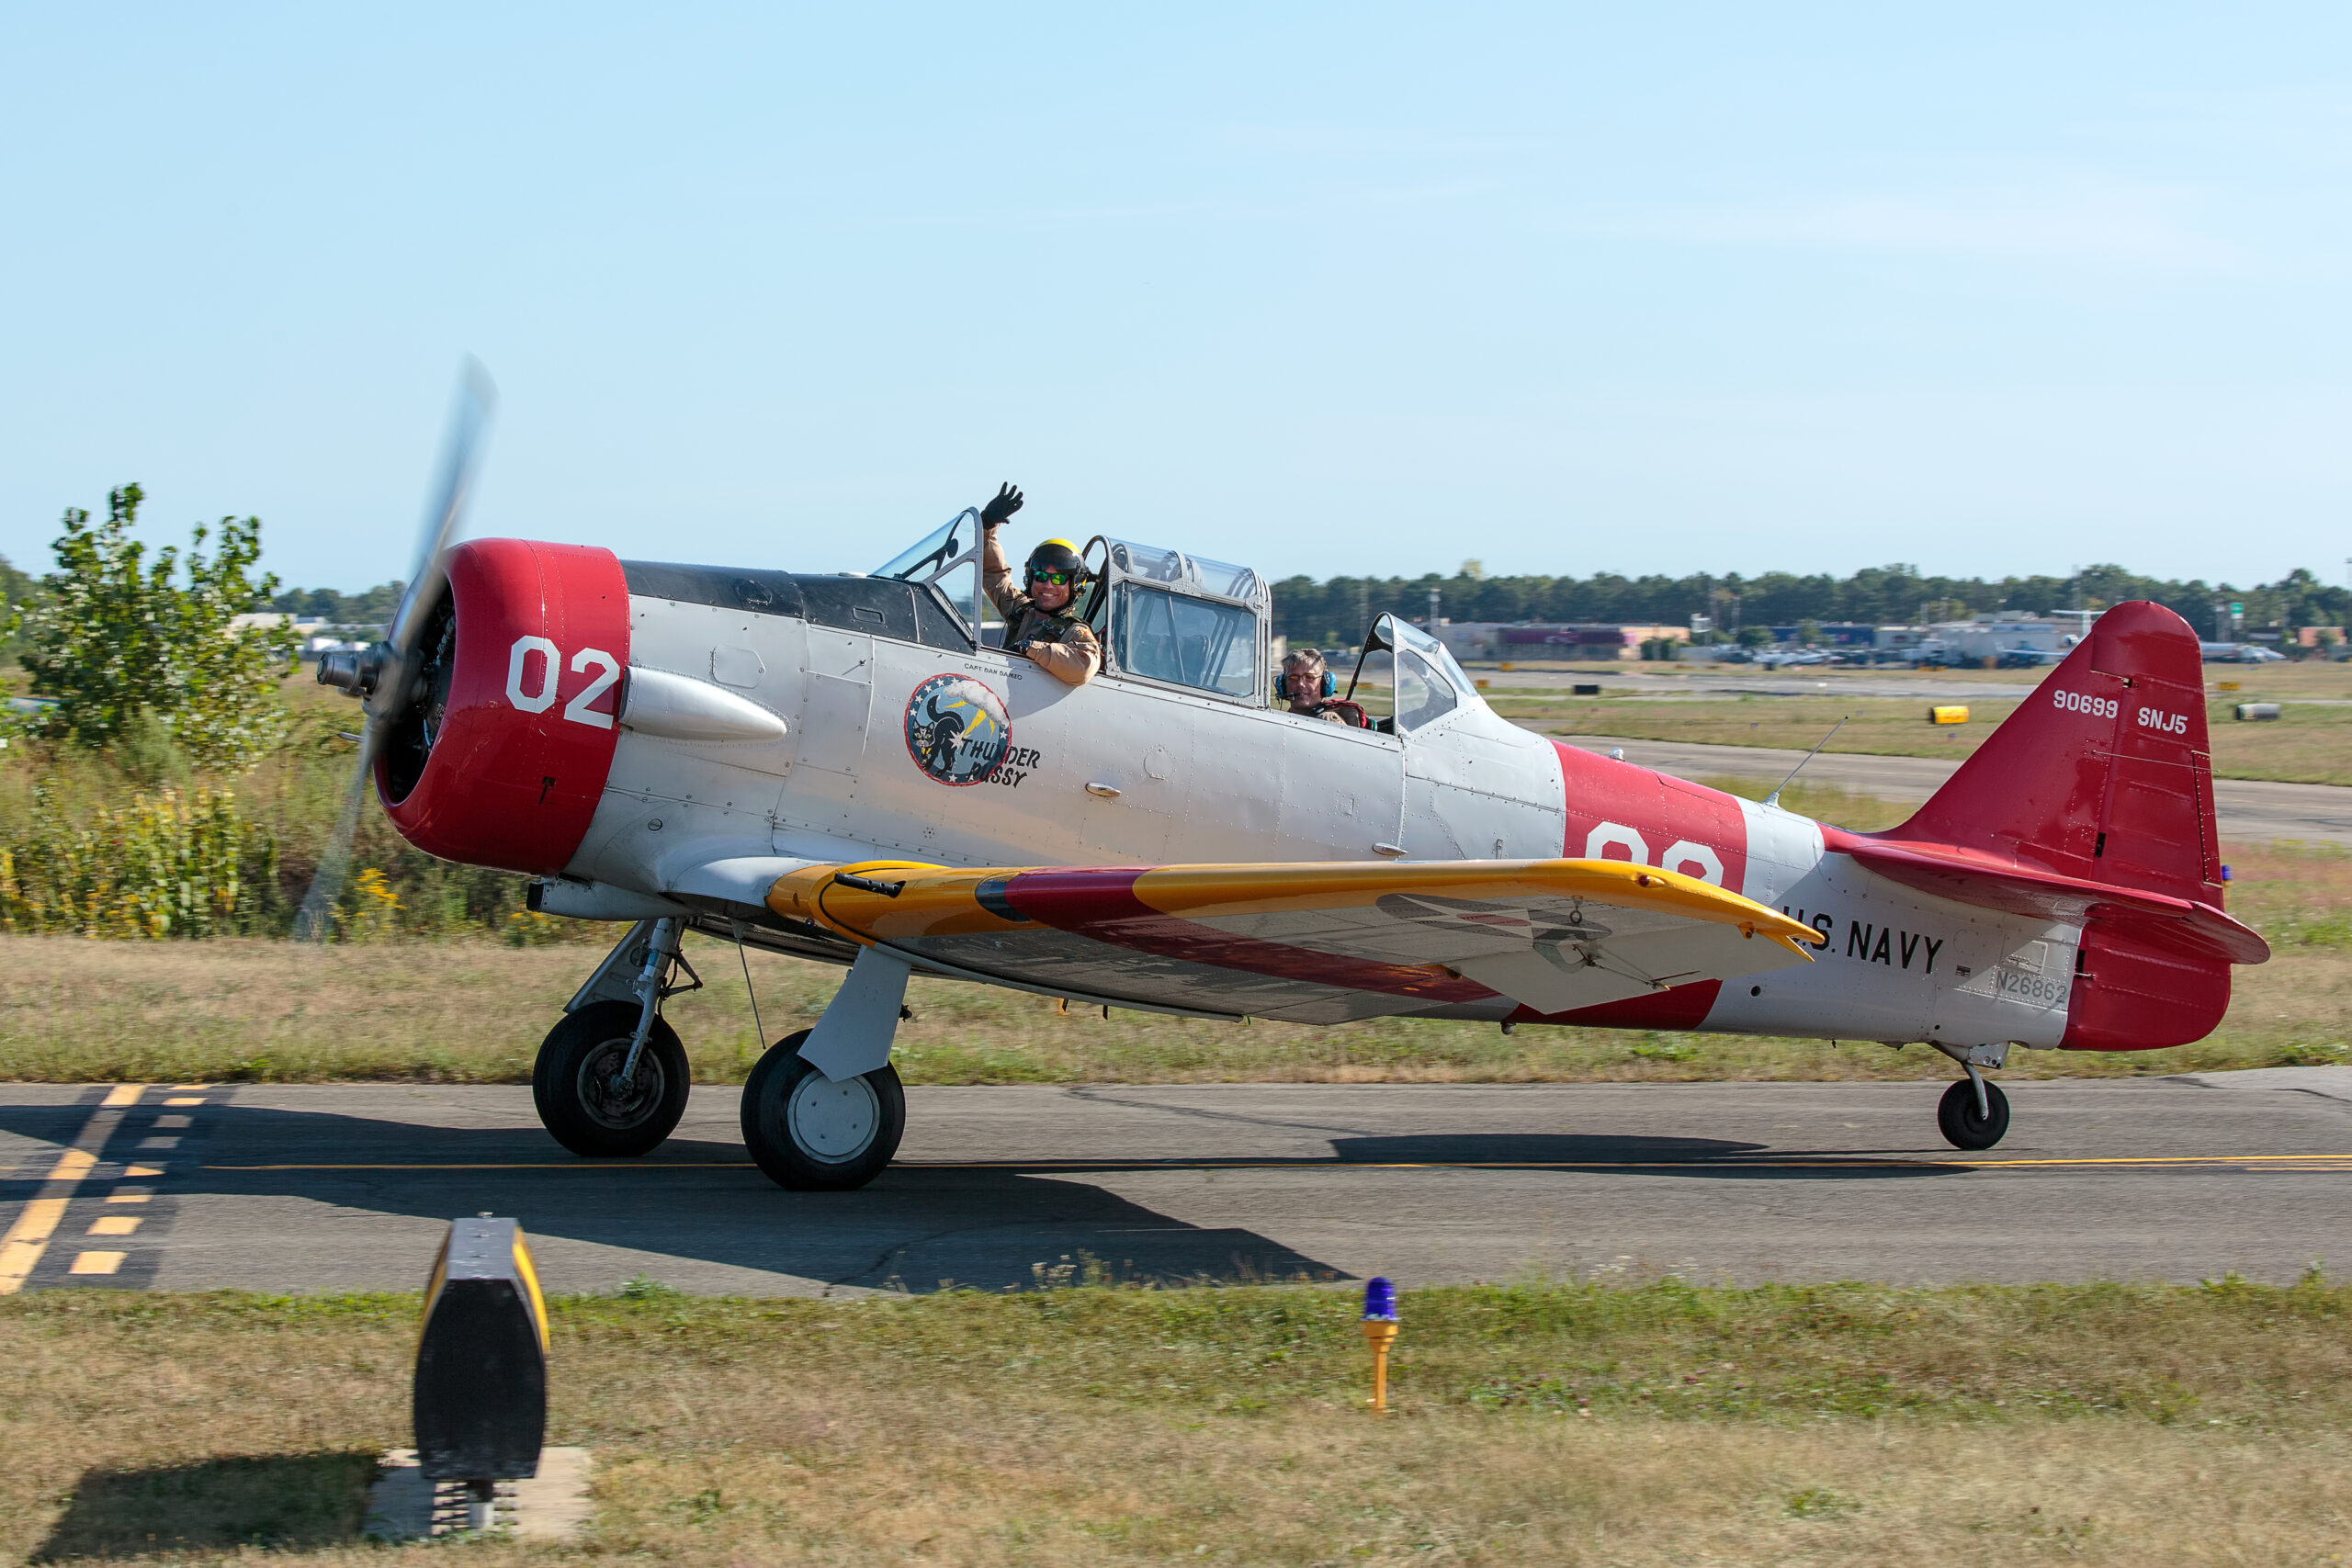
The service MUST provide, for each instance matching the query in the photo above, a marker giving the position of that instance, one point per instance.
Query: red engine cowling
(502, 759)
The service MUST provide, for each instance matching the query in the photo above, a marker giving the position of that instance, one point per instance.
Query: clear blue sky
(1990, 288)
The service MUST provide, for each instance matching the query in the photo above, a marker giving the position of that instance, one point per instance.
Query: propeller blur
(389, 676)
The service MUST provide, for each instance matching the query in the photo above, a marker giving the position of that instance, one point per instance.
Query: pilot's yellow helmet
(1055, 555)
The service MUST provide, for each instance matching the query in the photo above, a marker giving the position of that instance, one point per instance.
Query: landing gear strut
(589, 1102)
(611, 1078)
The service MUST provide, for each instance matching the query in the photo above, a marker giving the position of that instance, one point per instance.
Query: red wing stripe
(1102, 905)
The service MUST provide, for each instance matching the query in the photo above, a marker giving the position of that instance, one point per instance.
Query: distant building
(1833, 634)
(2008, 631)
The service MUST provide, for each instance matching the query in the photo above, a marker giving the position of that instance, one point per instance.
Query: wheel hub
(833, 1122)
(614, 1101)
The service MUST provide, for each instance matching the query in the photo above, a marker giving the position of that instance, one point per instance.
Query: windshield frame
(909, 565)
(1392, 633)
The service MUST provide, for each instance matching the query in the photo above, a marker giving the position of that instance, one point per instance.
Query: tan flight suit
(1059, 644)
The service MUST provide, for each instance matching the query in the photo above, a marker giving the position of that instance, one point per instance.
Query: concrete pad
(550, 1505)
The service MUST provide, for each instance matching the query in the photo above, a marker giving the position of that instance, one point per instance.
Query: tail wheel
(576, 1083)
(1958, 1120)
(811, 1135)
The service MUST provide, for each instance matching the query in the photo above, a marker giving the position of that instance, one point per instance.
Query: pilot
(1307, 685)
(1037, 623)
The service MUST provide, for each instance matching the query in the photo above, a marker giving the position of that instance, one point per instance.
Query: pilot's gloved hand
(1007, 502)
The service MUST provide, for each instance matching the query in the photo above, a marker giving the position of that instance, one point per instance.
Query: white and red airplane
(842, 767)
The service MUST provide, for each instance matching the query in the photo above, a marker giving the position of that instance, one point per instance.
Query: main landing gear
(822, 1112)
(811, 1134)
(1974, 1113)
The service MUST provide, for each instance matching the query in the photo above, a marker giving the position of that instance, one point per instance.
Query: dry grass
(2309, 745)
(474, 1011)
(1567, 1424)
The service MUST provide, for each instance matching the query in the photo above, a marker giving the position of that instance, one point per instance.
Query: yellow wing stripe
(935, 901)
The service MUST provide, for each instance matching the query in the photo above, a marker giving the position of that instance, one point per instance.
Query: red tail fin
(2103, 773)
(2093, 804)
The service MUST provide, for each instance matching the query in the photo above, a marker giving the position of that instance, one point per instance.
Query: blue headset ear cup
(1330, 684)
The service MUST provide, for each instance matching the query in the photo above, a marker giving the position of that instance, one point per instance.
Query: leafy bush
(119, 644)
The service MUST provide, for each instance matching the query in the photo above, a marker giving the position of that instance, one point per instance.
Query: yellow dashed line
(27, 1239)
(97, 1263)
(113, 1225)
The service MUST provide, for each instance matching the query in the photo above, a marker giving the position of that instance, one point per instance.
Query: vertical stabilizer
(2104, 772)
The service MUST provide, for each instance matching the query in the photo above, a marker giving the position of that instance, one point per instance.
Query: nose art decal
(956, 729)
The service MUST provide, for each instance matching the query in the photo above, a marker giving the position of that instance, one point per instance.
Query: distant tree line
(1337, 611)
(371, 607)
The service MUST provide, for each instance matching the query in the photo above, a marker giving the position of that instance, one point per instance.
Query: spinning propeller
(391, 678)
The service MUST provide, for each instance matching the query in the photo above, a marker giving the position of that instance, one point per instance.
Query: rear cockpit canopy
(1180, 620)
(1162, 617)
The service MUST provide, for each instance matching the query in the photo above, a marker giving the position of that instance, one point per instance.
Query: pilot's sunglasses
(1059, 579)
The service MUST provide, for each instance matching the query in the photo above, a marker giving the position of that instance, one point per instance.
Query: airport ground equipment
(843, 768)
(480, 1393)
(1380, 1324)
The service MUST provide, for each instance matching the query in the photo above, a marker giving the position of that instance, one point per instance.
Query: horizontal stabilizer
(2186, 925)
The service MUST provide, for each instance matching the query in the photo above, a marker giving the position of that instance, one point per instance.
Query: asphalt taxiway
(329, 1188)
(2250, 811)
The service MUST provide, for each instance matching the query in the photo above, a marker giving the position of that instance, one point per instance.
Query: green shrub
(160, 866)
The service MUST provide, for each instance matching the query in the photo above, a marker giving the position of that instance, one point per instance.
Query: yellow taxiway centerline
(22, 1248)
(2314, 1162)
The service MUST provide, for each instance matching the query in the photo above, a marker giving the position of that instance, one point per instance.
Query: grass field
(1535, 1423)
(73, 1010)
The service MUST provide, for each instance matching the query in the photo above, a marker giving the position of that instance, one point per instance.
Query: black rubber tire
(588, 1046)
(1956, 1116)
(769, 1124)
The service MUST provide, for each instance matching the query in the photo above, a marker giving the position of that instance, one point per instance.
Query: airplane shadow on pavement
(989, 1225)
(917, 1227)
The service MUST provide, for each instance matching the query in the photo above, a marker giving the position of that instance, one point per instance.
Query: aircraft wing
(1312, 943)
